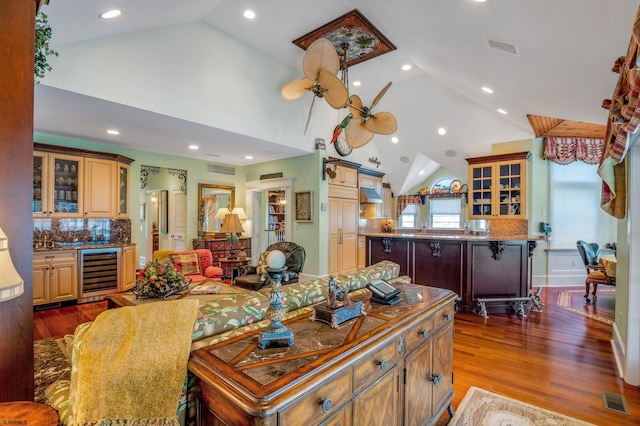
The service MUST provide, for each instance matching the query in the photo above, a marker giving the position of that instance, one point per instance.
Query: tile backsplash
(54, 231)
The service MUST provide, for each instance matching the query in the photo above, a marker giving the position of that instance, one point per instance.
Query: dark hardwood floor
(556, 359)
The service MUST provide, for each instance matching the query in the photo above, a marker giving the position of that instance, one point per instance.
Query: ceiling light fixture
(406, 67)
(394, 139)
(249, 14)
(194, 147)
(113, 132)
(109, 14)
(442, 131)
(248, 157)
(501, 111)
(487, 89)
(357, 83)
(421, 172)
(480, 1)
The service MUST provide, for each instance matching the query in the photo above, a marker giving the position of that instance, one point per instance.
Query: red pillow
(213, 272)
(187, 263)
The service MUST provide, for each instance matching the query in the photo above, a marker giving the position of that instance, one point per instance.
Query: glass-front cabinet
(497, 186)
(57, 185)
(122, 210)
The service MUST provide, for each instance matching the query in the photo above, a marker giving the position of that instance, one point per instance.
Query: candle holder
(276, 331)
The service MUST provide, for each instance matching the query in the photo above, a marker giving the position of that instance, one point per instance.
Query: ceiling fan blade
(381, 123)
(357, 135)
(334, 91)
(320, 55)
(296, 89)
(355, 106)
(309, 115)
(380, 95)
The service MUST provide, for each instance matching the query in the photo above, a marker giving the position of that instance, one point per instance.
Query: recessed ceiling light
(110, 14)
(480, 1)
(248, 157)
(406, 67)
(113, 132)
(442, 131)
(357, 83)
(450, 153)
(394, 139)
(249, 14)
(501, 111)
(487, 89)
(421, 172)
(194, 147)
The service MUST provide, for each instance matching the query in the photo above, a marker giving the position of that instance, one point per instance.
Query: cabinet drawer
(215, 245)
(443, 316)
(319, 401)
(419, 333)
(375, 364)
(244, 244)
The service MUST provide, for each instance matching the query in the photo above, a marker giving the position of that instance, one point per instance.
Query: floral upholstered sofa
(235, 311)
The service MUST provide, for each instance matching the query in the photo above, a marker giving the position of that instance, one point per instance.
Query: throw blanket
(132, 364)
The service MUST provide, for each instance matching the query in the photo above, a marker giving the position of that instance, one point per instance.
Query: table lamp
(276, 331)
(11, 284)
(231, 227)
(221, 214)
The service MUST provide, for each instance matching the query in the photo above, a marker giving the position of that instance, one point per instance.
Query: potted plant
(43, 36)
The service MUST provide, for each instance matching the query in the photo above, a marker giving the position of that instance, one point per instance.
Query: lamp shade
(11, 284)
(222, 212)
(231, 224)
(240, 212)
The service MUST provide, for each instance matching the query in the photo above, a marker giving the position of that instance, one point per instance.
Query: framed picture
(304, 206)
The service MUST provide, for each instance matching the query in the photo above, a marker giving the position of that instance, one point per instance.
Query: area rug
(573, 300)
(480, 407)
(50, 364)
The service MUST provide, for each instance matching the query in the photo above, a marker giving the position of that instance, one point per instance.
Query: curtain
(405, 200)
(568, 150)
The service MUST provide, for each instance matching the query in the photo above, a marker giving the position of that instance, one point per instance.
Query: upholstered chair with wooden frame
(596, 273)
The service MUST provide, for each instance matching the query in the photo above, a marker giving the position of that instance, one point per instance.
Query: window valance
(568, 150)
(405, 200)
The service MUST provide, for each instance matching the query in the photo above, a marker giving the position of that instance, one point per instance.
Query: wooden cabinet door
(443, 367)
(64, 281)
(349, 177)
(41, 278)
(349, 253)
(362, 252)
(418, 390)
(343, 235)
(439, 263)
(100, 188)
(387, 203)
(334, 235)
(378, 405)
(128, 269)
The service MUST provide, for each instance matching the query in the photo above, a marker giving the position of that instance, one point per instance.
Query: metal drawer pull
(326, 404)
(447, 316)
(435, 378)
(383, 364)
(424, 333)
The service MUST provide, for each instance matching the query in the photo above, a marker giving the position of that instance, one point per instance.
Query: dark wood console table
(392, 366)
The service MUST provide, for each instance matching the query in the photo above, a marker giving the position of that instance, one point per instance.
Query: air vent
(223, 170)
(500, 45)
(615, 402)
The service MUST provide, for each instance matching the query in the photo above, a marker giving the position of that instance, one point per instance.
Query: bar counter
(476, 267)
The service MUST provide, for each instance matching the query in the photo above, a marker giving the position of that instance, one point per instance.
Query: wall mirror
(212, 198)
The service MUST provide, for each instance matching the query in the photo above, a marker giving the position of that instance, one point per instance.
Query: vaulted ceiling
(168, 74)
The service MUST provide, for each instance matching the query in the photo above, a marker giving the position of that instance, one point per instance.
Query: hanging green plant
(43, 36)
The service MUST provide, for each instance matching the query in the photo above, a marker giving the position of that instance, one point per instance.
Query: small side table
(235, 265)
(27, 413)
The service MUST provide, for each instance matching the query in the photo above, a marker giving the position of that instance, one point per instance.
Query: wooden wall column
(17, 40)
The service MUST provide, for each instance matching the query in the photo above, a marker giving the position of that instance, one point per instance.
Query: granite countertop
(80, 246)
(438, 236)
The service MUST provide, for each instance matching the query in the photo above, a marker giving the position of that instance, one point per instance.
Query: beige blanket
(132, 364)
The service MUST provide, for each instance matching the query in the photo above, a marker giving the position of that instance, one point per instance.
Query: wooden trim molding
(82, 152)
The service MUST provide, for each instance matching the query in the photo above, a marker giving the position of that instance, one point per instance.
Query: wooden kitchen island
(489, 272)
(392, 366)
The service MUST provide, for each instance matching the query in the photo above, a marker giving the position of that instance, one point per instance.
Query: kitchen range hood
(369, 195)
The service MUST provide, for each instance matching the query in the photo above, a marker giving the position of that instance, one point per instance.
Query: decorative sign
(374, 160)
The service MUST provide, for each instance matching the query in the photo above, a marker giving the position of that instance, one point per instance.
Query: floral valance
(405, 200)
(568, 150)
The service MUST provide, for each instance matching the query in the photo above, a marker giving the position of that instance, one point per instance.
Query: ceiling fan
(365, 123)
(320, 66)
